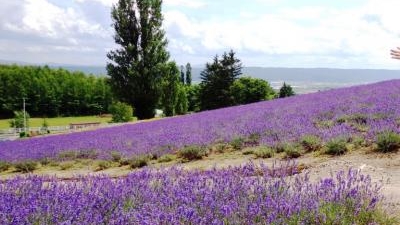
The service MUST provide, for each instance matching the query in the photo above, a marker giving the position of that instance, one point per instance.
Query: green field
(58, 121)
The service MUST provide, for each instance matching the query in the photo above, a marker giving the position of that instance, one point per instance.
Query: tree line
(52, 92)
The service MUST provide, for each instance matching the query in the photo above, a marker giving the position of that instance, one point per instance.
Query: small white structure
(159, 113)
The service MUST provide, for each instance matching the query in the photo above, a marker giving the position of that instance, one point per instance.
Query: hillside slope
(360, 111)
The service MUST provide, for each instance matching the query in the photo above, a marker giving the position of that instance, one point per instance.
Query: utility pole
(24, 116)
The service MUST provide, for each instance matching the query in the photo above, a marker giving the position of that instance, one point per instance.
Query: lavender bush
(361, 111)
(238, 195)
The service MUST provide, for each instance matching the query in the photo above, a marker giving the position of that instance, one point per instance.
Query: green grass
(58, 121)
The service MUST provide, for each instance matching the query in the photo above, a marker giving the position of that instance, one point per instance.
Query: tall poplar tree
(188, 74)
(136, 67)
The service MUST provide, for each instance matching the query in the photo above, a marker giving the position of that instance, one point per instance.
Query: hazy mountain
(303, 80)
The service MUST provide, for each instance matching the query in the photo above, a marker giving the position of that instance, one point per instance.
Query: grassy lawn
(59, 121)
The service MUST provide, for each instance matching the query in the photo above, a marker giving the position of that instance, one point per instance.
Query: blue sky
(271, 33)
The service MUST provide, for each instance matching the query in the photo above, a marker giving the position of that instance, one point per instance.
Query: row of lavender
(376, 107)
(239, 195)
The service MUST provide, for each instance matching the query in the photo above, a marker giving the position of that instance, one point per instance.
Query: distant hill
(304, 80)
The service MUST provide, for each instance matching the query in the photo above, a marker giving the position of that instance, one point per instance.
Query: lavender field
(357, 111)
(236, 195)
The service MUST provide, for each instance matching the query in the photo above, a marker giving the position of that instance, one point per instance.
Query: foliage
(192, 152)
(247, 194)
(138, 162)
(193, 93)
(311, 143)
(247, 90)
(388, 141)
(121, 112)
(66, 165)
(81, 154)
(166, 158)
(52, 92)
(19, 120)
(291, 151)
(87, 154)
(263, 152)
(336, 146)
(237, 143)
(188, 74)
(286, 91)
(138, 64)
(217, 78)
(182, 103)
(4, 166)
(25, 166)
(221, 147)
(170, 89)
(45, 161)
(103, 165)
(182, 78)
(116, 156)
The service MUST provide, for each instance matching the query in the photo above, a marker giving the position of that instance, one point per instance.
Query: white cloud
(47, 20)
(309, 35)
(321, 34)
(108, 3)
(186, 3)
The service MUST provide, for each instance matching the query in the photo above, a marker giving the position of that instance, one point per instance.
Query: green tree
(137, 65)
(188, 74)
(19, 120)
(51, 92)
(193, 94)
(182, 75)
(182, 103)
(170, 88)
(247, 90)
(217, 79)
(286, 91)
(121, 112)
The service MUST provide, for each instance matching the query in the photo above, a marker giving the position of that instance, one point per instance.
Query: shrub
(388, 141)
(166, 158)
(124, 162)
(221, 147)
(291, 152)
(116, 156)
(138, 162)
(18, 120)
(336, 146)
(26, 166)
(248, 151)
(358, 141)
(87, 154)
(67, 155)
(23, 134)
(263, 152)
(253, 139)
(121, 112)
(4, 166)
(66, 165)
(45, 161)
(102, 165)
(281, 147)
(311, 143)
(192, 152)
(237, 143)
